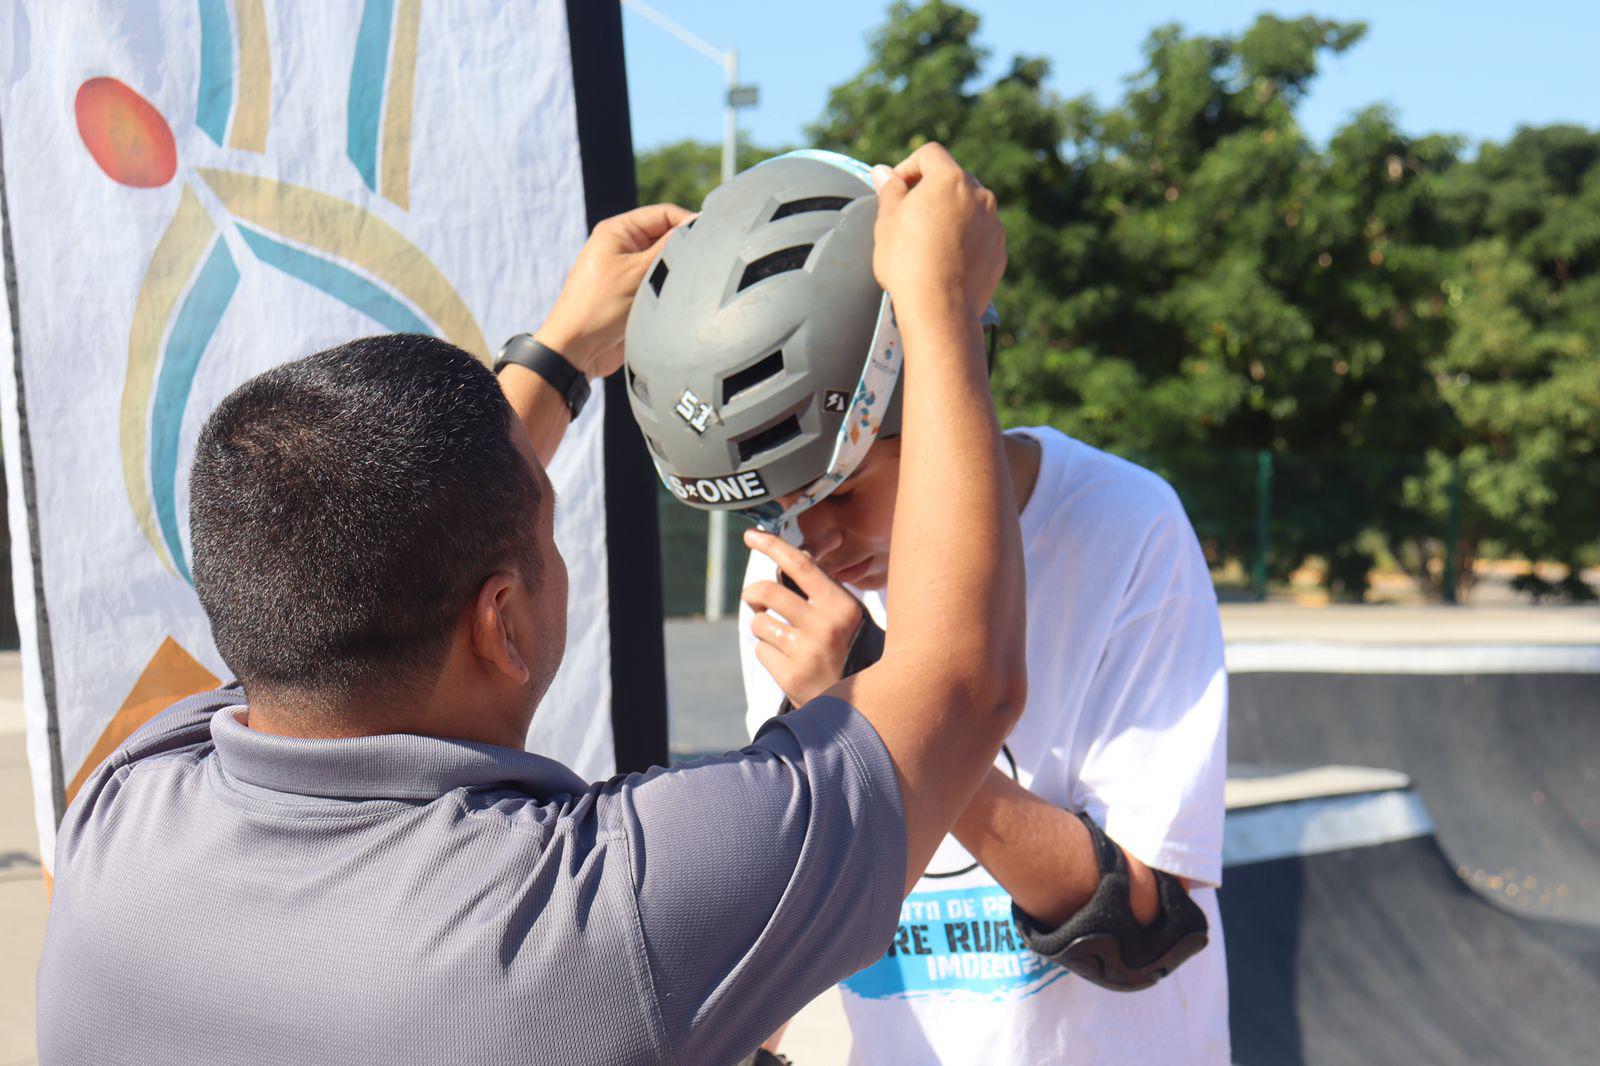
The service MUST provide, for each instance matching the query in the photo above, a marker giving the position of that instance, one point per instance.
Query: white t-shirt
(1126, 719)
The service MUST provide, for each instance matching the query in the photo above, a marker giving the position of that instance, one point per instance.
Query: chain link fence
(684, 538)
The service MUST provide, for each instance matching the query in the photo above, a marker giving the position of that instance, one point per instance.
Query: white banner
(200, 189)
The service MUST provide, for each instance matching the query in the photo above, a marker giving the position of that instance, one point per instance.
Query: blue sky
(1471, 67)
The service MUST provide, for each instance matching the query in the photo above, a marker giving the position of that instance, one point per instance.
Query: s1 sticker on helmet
(733, 488)
(836, 400)
(693, 410)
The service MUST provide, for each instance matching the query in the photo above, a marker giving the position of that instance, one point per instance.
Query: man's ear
(493, 632)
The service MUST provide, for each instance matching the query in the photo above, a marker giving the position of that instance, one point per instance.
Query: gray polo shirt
(225, 896)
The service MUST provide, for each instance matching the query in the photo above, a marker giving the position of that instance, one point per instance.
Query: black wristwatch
(568, 380)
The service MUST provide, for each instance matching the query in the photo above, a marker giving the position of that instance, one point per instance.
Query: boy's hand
(938, 243)
(589, 317)
(805, 649)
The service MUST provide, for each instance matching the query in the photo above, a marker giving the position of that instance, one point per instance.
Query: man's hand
(590, 316)
(938, 243)
(804, 640)
(588, 320)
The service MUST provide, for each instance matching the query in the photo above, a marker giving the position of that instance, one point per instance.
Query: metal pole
(716, 563)
(1258, 575)
(730, 118)
(717, 526)
(710, 51)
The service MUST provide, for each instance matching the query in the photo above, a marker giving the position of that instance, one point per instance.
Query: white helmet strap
(862, 421)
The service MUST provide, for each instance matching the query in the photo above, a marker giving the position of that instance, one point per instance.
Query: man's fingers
(653, 220)
(677, 215)
(931, 159)
(892, 188)
(644, 226)
(801, 568)
(771, 596)
(646, 257)
(633, 264)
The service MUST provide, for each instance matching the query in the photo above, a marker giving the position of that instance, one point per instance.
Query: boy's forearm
(953, 677)
(954, 502)
(1040, 854)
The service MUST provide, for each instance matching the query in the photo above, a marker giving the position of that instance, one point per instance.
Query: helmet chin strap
(863, 421)
(868, 404)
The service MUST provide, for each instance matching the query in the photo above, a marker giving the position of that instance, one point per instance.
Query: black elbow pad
(1104, 943)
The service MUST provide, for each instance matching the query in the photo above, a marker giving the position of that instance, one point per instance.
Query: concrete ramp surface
(1449, 916)
(1507, 762)
(1372, 950)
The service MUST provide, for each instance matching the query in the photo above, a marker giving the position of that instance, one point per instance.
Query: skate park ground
(1463, 899)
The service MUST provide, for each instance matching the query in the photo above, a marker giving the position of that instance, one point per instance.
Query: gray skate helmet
(762, 357)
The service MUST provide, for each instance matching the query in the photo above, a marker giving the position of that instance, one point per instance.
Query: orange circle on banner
(125, 133)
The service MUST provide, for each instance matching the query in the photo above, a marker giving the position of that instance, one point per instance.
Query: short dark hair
(345, 507)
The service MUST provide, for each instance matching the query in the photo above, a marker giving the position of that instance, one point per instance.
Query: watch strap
(566, 379)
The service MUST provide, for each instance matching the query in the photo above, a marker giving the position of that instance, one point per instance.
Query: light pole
(736, 97)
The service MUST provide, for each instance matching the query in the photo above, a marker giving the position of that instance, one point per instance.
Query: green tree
(685, 171)
(1190, 277)
(1521, 369)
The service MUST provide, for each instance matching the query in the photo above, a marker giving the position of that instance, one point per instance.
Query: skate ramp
(1351, 940)
(1504, 751)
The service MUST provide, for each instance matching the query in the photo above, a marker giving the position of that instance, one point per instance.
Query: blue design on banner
(343, 285)
(191, 332)
(367, 73)
(216, 70)
(959, 941)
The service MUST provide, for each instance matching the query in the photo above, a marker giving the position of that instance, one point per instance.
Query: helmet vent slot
(658, 276)
(736, 384)
(655, 446)
(640, 389)
(769, 438)
(811, 203)
(777, 263)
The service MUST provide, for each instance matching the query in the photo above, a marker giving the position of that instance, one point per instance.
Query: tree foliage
(1520, 370)
(683, 172)
(1193, 281)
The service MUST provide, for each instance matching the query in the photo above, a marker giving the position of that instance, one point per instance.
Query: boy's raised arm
(952, 679)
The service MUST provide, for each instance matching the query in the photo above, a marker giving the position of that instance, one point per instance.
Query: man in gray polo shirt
(347, 857)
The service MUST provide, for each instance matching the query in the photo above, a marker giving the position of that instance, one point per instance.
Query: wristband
(566, 379)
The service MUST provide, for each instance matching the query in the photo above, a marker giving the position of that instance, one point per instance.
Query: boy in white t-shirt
(1125, 720)
(763, 367)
